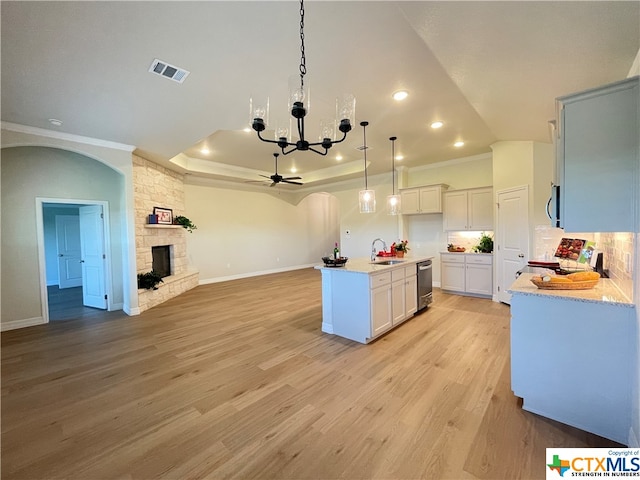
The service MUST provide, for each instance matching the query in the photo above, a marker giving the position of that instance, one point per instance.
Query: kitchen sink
(388, 262)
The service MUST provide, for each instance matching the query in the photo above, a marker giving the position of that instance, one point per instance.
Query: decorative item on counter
(336, 252)
(153, 219)
(587, 252)
(574, 281)
(149, 280)
(185, 222)
(400, 248)
(485, 245)
(334, 262)
(570, 248)
(454, 248)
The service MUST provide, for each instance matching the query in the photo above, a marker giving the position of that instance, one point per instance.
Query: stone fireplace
(161, 260)
(156, 186)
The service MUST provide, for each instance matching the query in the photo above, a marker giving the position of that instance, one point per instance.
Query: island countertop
(366, 266)
(604, 292)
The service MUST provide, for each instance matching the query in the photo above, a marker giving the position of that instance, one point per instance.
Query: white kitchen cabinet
(427, 199)
(570, 360)
(411, 291)
(467, 273)
(362, 301)
(597, 158)
(470, 209)
(381, 319)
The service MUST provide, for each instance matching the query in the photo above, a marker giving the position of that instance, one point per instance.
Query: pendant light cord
(303, 58)
(393, 164)
(364, 136)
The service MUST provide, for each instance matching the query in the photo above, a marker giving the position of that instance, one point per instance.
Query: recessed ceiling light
(400, 95)
(399, 157)
(338, 157)
(294, 169)
(205, 151)
(437, 124)
(458, 144)
(55, 122)
(246, 129)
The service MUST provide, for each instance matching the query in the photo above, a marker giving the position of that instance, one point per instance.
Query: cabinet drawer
(397, 274)
(454, 258)
(411, 271)
(480, 259)
(380, 279)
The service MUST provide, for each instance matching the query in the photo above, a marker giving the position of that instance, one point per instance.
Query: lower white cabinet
(362, 307)
(467, 273)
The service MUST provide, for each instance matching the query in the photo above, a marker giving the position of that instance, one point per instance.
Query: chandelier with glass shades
(298, 94)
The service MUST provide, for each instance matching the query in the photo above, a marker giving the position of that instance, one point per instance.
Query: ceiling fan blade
(265, 177)
(292, 183)
(273, 184)
(293, 178)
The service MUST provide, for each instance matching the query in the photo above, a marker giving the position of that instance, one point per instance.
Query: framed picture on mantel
(165, 215)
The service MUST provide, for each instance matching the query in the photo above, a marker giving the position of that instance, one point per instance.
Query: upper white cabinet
(468, 209)
(597, 158)
(426, 199)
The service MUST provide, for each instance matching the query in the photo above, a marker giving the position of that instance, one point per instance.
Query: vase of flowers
(400, 247)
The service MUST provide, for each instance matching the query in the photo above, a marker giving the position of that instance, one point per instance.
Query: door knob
(60, 255)
(81, 261)
(521, 255)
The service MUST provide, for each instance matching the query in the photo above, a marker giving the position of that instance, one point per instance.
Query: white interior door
(512, 238)
(68, 251)
(93, 256)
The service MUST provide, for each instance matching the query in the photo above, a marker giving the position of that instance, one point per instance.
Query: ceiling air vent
(166, 70)
(362, 148)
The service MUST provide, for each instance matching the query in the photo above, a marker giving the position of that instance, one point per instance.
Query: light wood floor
(236, 380)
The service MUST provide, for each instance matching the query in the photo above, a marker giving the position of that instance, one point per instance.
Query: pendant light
(393, 200)
(366, 197)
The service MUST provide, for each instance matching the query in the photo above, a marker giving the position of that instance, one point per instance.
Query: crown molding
(15, 127)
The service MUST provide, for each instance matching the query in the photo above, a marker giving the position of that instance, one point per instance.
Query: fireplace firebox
(162, 260)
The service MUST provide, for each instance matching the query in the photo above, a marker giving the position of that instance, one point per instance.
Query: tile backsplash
(617, 250)
(467, 240)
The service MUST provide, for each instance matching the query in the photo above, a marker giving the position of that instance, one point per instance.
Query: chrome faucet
(373, 248)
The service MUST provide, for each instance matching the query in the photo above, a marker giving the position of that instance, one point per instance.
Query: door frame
(42, 266)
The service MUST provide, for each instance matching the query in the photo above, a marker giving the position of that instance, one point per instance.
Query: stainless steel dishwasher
(425, 284)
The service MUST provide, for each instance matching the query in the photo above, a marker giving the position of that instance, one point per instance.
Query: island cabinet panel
(363, 303)
(571, 362)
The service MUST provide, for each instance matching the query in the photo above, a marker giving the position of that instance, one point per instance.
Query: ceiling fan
(276, 178)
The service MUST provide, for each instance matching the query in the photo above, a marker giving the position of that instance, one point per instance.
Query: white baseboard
(116, 306)
(25, 322)
(131, 311)
(436, 284)
(253, 274)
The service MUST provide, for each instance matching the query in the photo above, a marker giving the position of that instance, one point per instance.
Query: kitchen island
(363, 299)
(571, 354)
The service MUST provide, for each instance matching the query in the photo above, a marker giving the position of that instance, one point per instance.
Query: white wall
(243, 233)
(30, 172)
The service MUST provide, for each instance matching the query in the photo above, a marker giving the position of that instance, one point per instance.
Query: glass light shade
(367, 201)
(327, 129)
(346, 108)
(259, 109)
(393, 204)
(281, 131)
(297, 93)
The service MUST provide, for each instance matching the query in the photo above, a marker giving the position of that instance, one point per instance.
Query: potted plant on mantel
(185, 222)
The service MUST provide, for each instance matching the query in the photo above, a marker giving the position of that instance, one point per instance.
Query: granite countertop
(467, 253)
(364, 264)
(605, 292)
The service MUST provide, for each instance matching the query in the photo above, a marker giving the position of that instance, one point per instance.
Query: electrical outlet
(228, 265)
(277, 259)
(627, 262)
